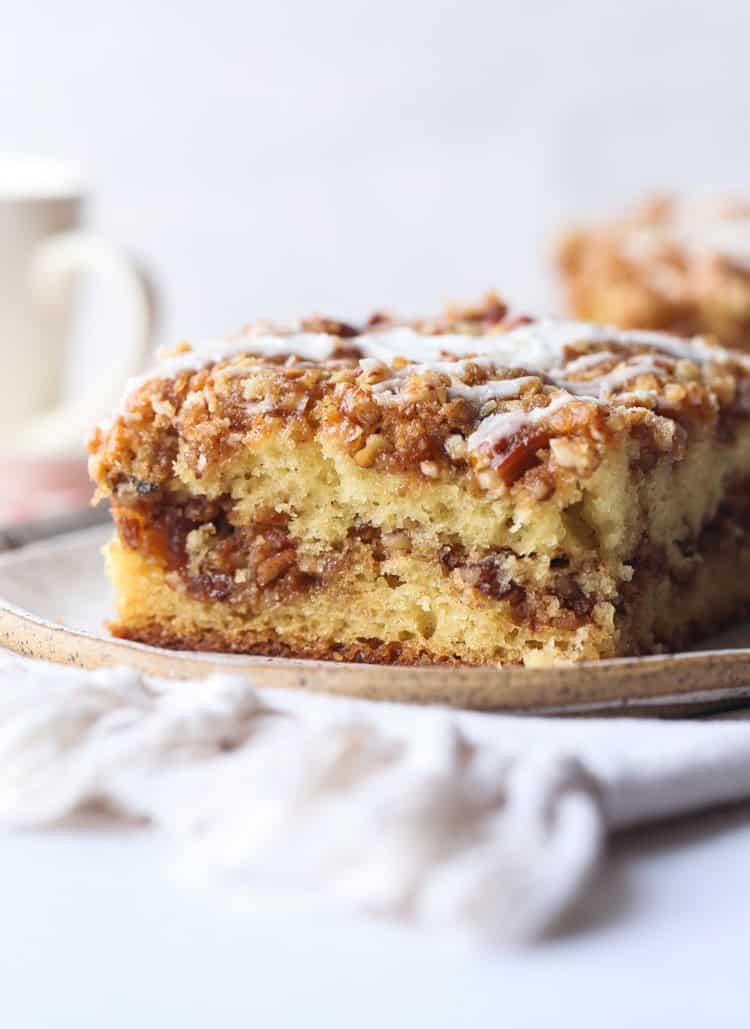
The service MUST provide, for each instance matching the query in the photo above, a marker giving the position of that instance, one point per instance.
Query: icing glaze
(505, 424)
(538, 348)
(313, 346)
(602, 385)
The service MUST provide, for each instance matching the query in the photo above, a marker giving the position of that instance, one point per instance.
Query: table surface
(103, 928)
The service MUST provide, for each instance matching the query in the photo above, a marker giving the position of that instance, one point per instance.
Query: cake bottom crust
(214, 641)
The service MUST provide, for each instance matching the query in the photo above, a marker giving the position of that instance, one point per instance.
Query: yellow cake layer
(325, 493)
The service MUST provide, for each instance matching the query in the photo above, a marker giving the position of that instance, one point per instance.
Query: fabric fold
(490, 822)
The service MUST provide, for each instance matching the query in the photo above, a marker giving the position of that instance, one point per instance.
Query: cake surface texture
(676, 266)
(468, 489)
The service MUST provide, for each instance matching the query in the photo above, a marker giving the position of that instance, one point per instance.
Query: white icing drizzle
(495, 389)
(695, 349)
(390, 390)
(603, 385)
(313, 346)
(586, 361)
(538, 347)
(639, 398)
(507, 423)
(625, 373)
(418, 347)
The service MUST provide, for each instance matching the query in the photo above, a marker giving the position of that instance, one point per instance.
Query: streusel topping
(493, 400)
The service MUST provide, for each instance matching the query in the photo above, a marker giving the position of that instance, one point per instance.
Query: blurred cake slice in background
(668, 264)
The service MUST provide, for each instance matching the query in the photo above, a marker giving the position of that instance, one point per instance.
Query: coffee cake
(468, 489)
(677, 266)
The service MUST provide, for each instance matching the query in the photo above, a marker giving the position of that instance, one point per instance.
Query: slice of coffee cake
(459, 490)
(677, 266)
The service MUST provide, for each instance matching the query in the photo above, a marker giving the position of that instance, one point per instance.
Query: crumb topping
(474, 394)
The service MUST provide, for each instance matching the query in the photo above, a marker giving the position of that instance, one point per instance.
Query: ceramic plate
(55, 600)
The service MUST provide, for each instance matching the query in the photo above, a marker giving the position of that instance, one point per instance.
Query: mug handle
(55, 264)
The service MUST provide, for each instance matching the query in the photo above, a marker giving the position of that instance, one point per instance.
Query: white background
(294, 156)
(99, 933)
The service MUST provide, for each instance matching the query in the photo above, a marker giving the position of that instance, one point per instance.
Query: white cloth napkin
(488, 821)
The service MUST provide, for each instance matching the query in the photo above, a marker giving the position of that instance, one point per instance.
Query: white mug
(43, 249)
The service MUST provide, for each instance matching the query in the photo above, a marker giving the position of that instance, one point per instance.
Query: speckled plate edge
(677, 684)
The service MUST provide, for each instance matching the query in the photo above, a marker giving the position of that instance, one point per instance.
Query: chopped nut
(490, 481)
(331, 326)
(724, 388)
(674, 393)
(163, 407)
(430, 469)
(647, 383)
(520, 456)
(373, 371)
(455, 448)
(490, 310)
(539, 483)
(577, 454)
(472, 373)
(419, 388)
(687, 370)
(459, 413)
(668, 436)
(360, 407)
(270, 569)
(373, 446)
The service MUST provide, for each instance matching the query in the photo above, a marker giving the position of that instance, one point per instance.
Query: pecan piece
(272, 567)
(519, 456)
